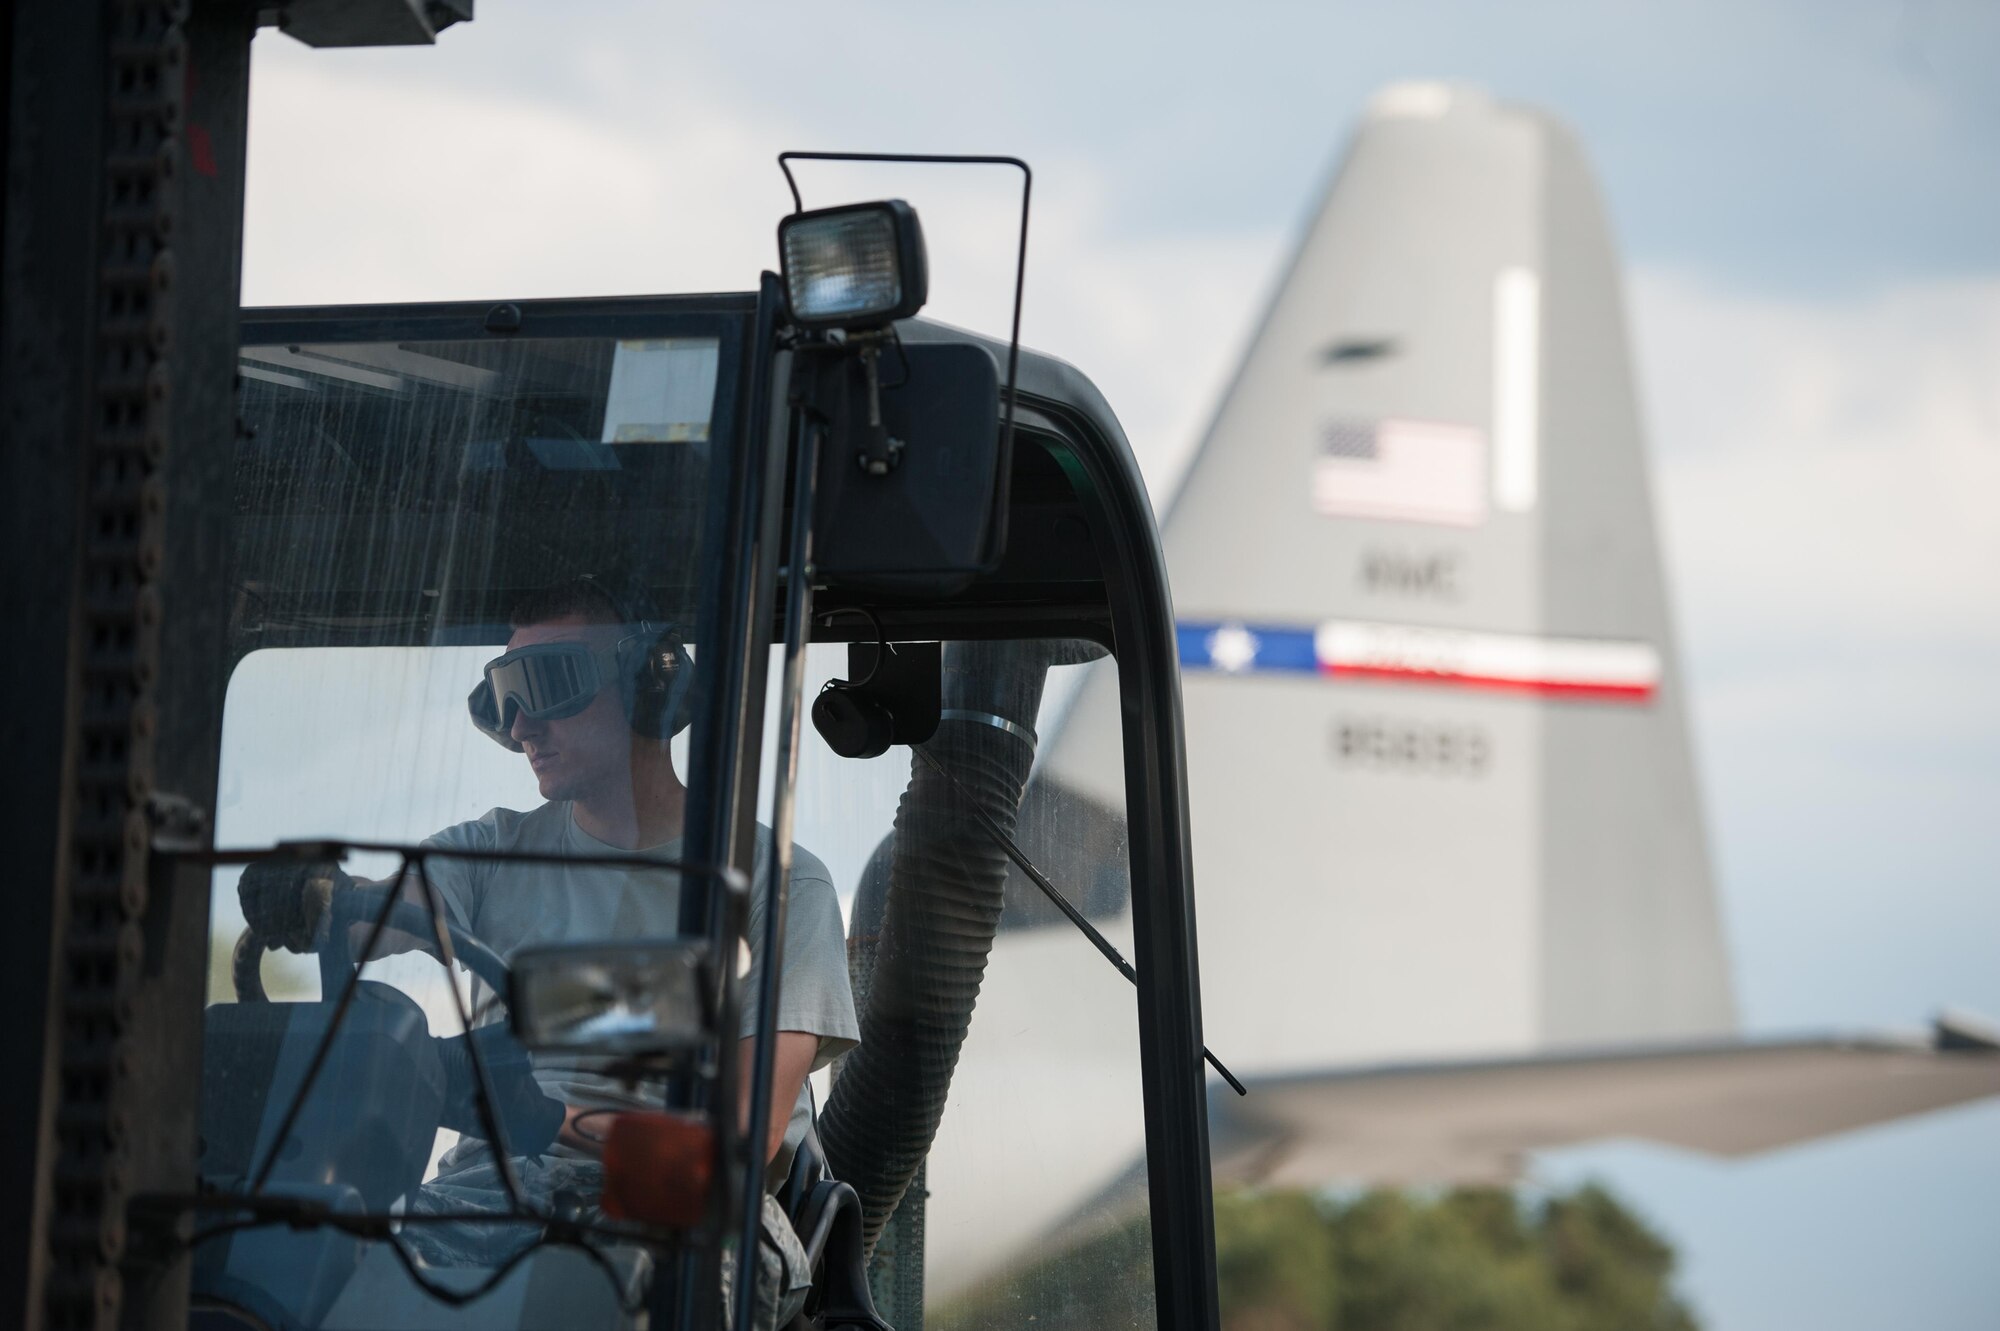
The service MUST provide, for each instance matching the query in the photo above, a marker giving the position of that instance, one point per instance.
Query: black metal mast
(120, 256)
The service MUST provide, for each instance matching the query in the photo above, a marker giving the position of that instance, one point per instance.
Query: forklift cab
(866, 564)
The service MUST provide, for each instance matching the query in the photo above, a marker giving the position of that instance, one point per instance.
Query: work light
(620, 998)
(855, 267)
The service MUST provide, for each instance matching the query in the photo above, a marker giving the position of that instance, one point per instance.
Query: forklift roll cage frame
(1085, 562)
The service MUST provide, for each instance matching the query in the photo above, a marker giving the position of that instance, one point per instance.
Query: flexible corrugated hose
(942, 909)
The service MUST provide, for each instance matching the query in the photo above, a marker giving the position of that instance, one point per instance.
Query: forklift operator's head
(585, 673)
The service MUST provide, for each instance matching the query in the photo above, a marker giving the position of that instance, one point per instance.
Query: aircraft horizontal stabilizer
(1476, 1121)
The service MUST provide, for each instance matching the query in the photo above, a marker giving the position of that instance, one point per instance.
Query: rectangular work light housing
(858, 266)
(615, 999)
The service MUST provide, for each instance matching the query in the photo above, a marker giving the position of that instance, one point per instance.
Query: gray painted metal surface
(1476, 1121)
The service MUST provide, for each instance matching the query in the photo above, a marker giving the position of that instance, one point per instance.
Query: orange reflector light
(658, 1169)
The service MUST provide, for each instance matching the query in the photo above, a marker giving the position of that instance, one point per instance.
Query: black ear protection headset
(655, 674)
(656, 677)
(649, 662)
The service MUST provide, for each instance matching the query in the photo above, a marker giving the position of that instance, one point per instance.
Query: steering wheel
(362, 905)
(519, 1100)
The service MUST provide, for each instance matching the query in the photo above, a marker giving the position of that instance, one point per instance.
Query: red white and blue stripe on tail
(1582, 668)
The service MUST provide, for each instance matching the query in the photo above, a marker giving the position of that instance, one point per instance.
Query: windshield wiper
(1054, 894)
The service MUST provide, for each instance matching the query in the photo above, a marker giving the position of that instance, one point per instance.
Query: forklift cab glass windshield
(426, 526)
(511, 624)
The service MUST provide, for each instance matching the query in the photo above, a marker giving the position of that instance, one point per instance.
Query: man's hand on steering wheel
(583, 1129)
(287, 903)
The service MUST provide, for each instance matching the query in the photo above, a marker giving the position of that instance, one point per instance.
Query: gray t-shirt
(512, 906)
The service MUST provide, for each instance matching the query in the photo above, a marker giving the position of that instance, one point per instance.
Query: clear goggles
(543, 681)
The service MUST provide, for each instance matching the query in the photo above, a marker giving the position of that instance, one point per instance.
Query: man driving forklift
(591, 689)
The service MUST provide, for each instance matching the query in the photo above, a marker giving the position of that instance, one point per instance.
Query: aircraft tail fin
(1443, 796)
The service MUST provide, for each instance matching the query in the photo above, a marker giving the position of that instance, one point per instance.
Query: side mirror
(913, 492)
(614, 999)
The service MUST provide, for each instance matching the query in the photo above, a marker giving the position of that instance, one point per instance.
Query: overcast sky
(1808, 198)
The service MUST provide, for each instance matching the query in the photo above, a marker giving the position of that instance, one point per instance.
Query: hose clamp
(988, 719)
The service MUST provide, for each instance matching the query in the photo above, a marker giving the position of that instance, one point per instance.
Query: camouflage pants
(572, 1187)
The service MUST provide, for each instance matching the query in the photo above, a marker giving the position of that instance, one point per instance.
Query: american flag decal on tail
(1401, 470)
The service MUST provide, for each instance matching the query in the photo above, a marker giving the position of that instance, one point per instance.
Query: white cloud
(1829, 479)
(368, 185)
(1830, 486)
(365, 189)
(1829, 471)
